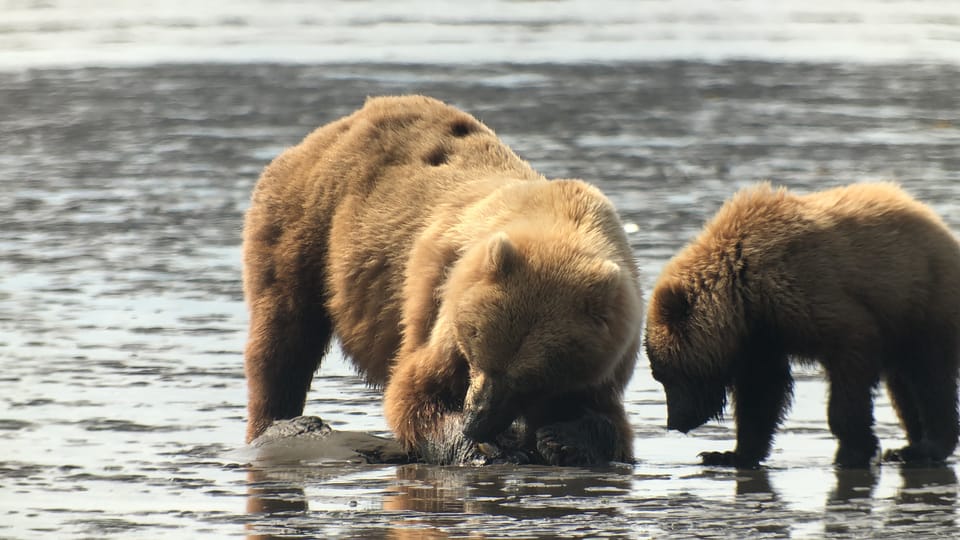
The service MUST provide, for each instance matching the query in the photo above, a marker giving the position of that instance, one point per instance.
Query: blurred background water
(131, 134)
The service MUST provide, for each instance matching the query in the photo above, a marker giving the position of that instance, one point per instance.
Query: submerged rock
(577, 442)
(309, 438)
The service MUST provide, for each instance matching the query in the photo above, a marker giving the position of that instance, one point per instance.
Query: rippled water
(122, 324)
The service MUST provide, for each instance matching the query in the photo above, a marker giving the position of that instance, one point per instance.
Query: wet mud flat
(122, 323)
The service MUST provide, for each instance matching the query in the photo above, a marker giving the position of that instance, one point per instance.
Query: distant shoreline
(111, 34)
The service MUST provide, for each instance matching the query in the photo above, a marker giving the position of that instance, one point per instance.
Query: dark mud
(122, 323)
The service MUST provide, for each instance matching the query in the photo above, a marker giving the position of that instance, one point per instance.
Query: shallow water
(122, 323)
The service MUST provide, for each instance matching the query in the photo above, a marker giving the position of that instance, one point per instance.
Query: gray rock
(309, 438)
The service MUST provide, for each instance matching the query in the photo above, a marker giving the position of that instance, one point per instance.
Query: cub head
(691, 348)
(532, 319)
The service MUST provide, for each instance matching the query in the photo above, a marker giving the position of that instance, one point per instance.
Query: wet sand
(122, 323)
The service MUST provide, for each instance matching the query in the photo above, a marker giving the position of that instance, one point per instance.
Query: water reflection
(755, 482)
(927, 498)
(518, 492)
(850, 502)
(273, 498)
(754, 487)
(425, 501)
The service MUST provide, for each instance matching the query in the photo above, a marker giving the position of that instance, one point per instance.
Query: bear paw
(915, 454)
(449, 446)
(492, 454)
(577, 443)
(728, 459)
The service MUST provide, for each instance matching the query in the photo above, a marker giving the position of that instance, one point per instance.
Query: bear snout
(487, 413)
(683, 425)
(488, 409)
(684, 413)
(476, 424)
(485, 422)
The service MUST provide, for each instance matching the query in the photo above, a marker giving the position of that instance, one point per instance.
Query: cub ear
(672, 308)
(502, 255)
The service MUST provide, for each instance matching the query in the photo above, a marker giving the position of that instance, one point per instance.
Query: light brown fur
(863, 279)
(452, 273)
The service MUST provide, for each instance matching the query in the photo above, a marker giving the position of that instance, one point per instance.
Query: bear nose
(677, 426)
(476, 424)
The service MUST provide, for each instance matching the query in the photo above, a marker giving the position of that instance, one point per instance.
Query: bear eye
(468, 331)
(469, 336)
(471, 333)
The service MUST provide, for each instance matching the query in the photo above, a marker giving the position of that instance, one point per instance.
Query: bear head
(535, 317)
(691, 340)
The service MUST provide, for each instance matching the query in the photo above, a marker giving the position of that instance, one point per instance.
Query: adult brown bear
(863, 279)
(489, 301)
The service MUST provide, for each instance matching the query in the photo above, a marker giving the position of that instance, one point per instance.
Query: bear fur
(863, 279)
(490, 303)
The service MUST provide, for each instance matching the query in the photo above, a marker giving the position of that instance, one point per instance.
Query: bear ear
(607, 281)
(604, 290)
(672, 307)
(501, 255)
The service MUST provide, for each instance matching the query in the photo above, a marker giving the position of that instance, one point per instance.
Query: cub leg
(850, 413)
(925, 397)
(762, 391)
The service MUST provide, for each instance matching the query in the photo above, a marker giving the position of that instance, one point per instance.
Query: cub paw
(728, 459)
(914, 454)
(853, 457)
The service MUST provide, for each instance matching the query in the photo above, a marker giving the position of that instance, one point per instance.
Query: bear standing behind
(481, 295)
(863, 279)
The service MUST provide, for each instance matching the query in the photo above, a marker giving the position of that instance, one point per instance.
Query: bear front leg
(448, 445)
(585, 441)
(761, 396)
(423, 405)
(595, 433)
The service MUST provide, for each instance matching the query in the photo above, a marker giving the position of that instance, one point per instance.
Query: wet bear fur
(499, 311)
(863, 279)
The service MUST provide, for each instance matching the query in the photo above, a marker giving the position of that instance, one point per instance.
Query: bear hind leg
(925, 397)
(284, 350)
(904, 400)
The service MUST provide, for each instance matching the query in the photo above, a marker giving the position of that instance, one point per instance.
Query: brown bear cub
(497, 309)
(862, 279)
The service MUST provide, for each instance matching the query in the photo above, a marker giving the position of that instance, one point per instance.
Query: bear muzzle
(682, 424)
(685, 411)
(689, 407)
(487, 411)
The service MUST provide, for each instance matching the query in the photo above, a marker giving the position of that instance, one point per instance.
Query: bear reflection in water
(499, 311)
(425, 501)
(862, 279)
